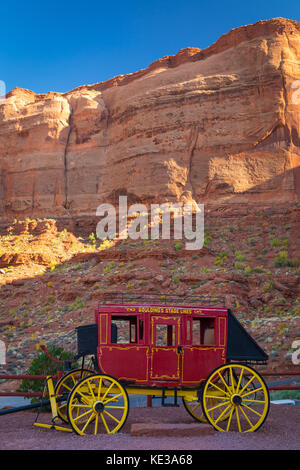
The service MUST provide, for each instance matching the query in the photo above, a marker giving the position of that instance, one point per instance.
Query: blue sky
(58, 45)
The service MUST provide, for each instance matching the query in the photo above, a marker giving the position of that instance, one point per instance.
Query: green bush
(269, 286)
(219, 260)
(43, 365)
(78, 303)
(282, 261)
(108, 267)
(207, 238)
(247, 270)
(239, 256)
(285, 395)
(92, 239)
(239, 266)
(275, 242)
(177, 246)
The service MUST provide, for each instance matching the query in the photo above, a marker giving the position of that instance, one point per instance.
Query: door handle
(179, 349)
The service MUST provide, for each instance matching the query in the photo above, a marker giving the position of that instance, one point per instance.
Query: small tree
(43, 365)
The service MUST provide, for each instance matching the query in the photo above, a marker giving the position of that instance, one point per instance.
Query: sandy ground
(281, 431)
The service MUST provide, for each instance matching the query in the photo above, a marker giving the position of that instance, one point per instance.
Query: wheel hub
(236, 399)
(98, 407)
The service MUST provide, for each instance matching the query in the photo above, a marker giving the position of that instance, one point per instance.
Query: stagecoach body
(161, 345)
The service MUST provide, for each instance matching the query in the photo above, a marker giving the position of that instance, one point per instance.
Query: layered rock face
(219, 125)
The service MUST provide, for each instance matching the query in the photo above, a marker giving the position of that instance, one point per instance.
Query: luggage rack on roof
(157, 298)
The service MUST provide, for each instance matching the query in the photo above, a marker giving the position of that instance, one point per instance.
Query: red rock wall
(219, 125)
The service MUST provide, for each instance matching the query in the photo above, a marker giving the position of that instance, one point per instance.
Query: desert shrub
(78, 303)
(108, 267)
(43, 365)
(220, 258)
(282, 261)
(207, 238)
(247, 270)
(239, 266)
(275, 242)
(269, 286)
(258, 269)
(177, 246)
(92, 239)
(239, 256)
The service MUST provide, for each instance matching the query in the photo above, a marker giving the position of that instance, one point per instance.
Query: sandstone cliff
(219, 125)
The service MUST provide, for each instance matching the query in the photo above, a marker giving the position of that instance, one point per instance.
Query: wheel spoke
(96, 424)
(223, 391)
(85, 397)
(217, 406)
(253, 411)
(111, 416)
(87, 423)
(229, 419)
(111, 385)
(84, 414)
(247, 418)
(251, 391)
(66, 386)
(91, 390)
(112, 398)
(238, 419)
(99, 388)
(253, 401)
(240, 380)
(105, 424)
(80, 405)
(222, 414)
(116, 407)
(248, 383)
(231, 378)
(196, 406)
(216, 397)
(224, 382)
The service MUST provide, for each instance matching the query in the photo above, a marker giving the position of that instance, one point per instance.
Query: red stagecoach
(167, 346)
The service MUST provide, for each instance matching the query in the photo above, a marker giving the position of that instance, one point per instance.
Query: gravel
(281, 431)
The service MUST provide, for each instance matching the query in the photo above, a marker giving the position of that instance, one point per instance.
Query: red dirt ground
(281, 431)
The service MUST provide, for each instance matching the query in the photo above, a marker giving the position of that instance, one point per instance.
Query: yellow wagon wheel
(64, 387)
(243, 399)
(194, 407)
(98, 403)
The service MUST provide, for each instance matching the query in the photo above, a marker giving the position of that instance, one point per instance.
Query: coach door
(165, 354)
(203, 347)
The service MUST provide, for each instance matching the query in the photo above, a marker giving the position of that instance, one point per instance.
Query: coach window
(124, 329)
(165, 335)
(203, 331)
